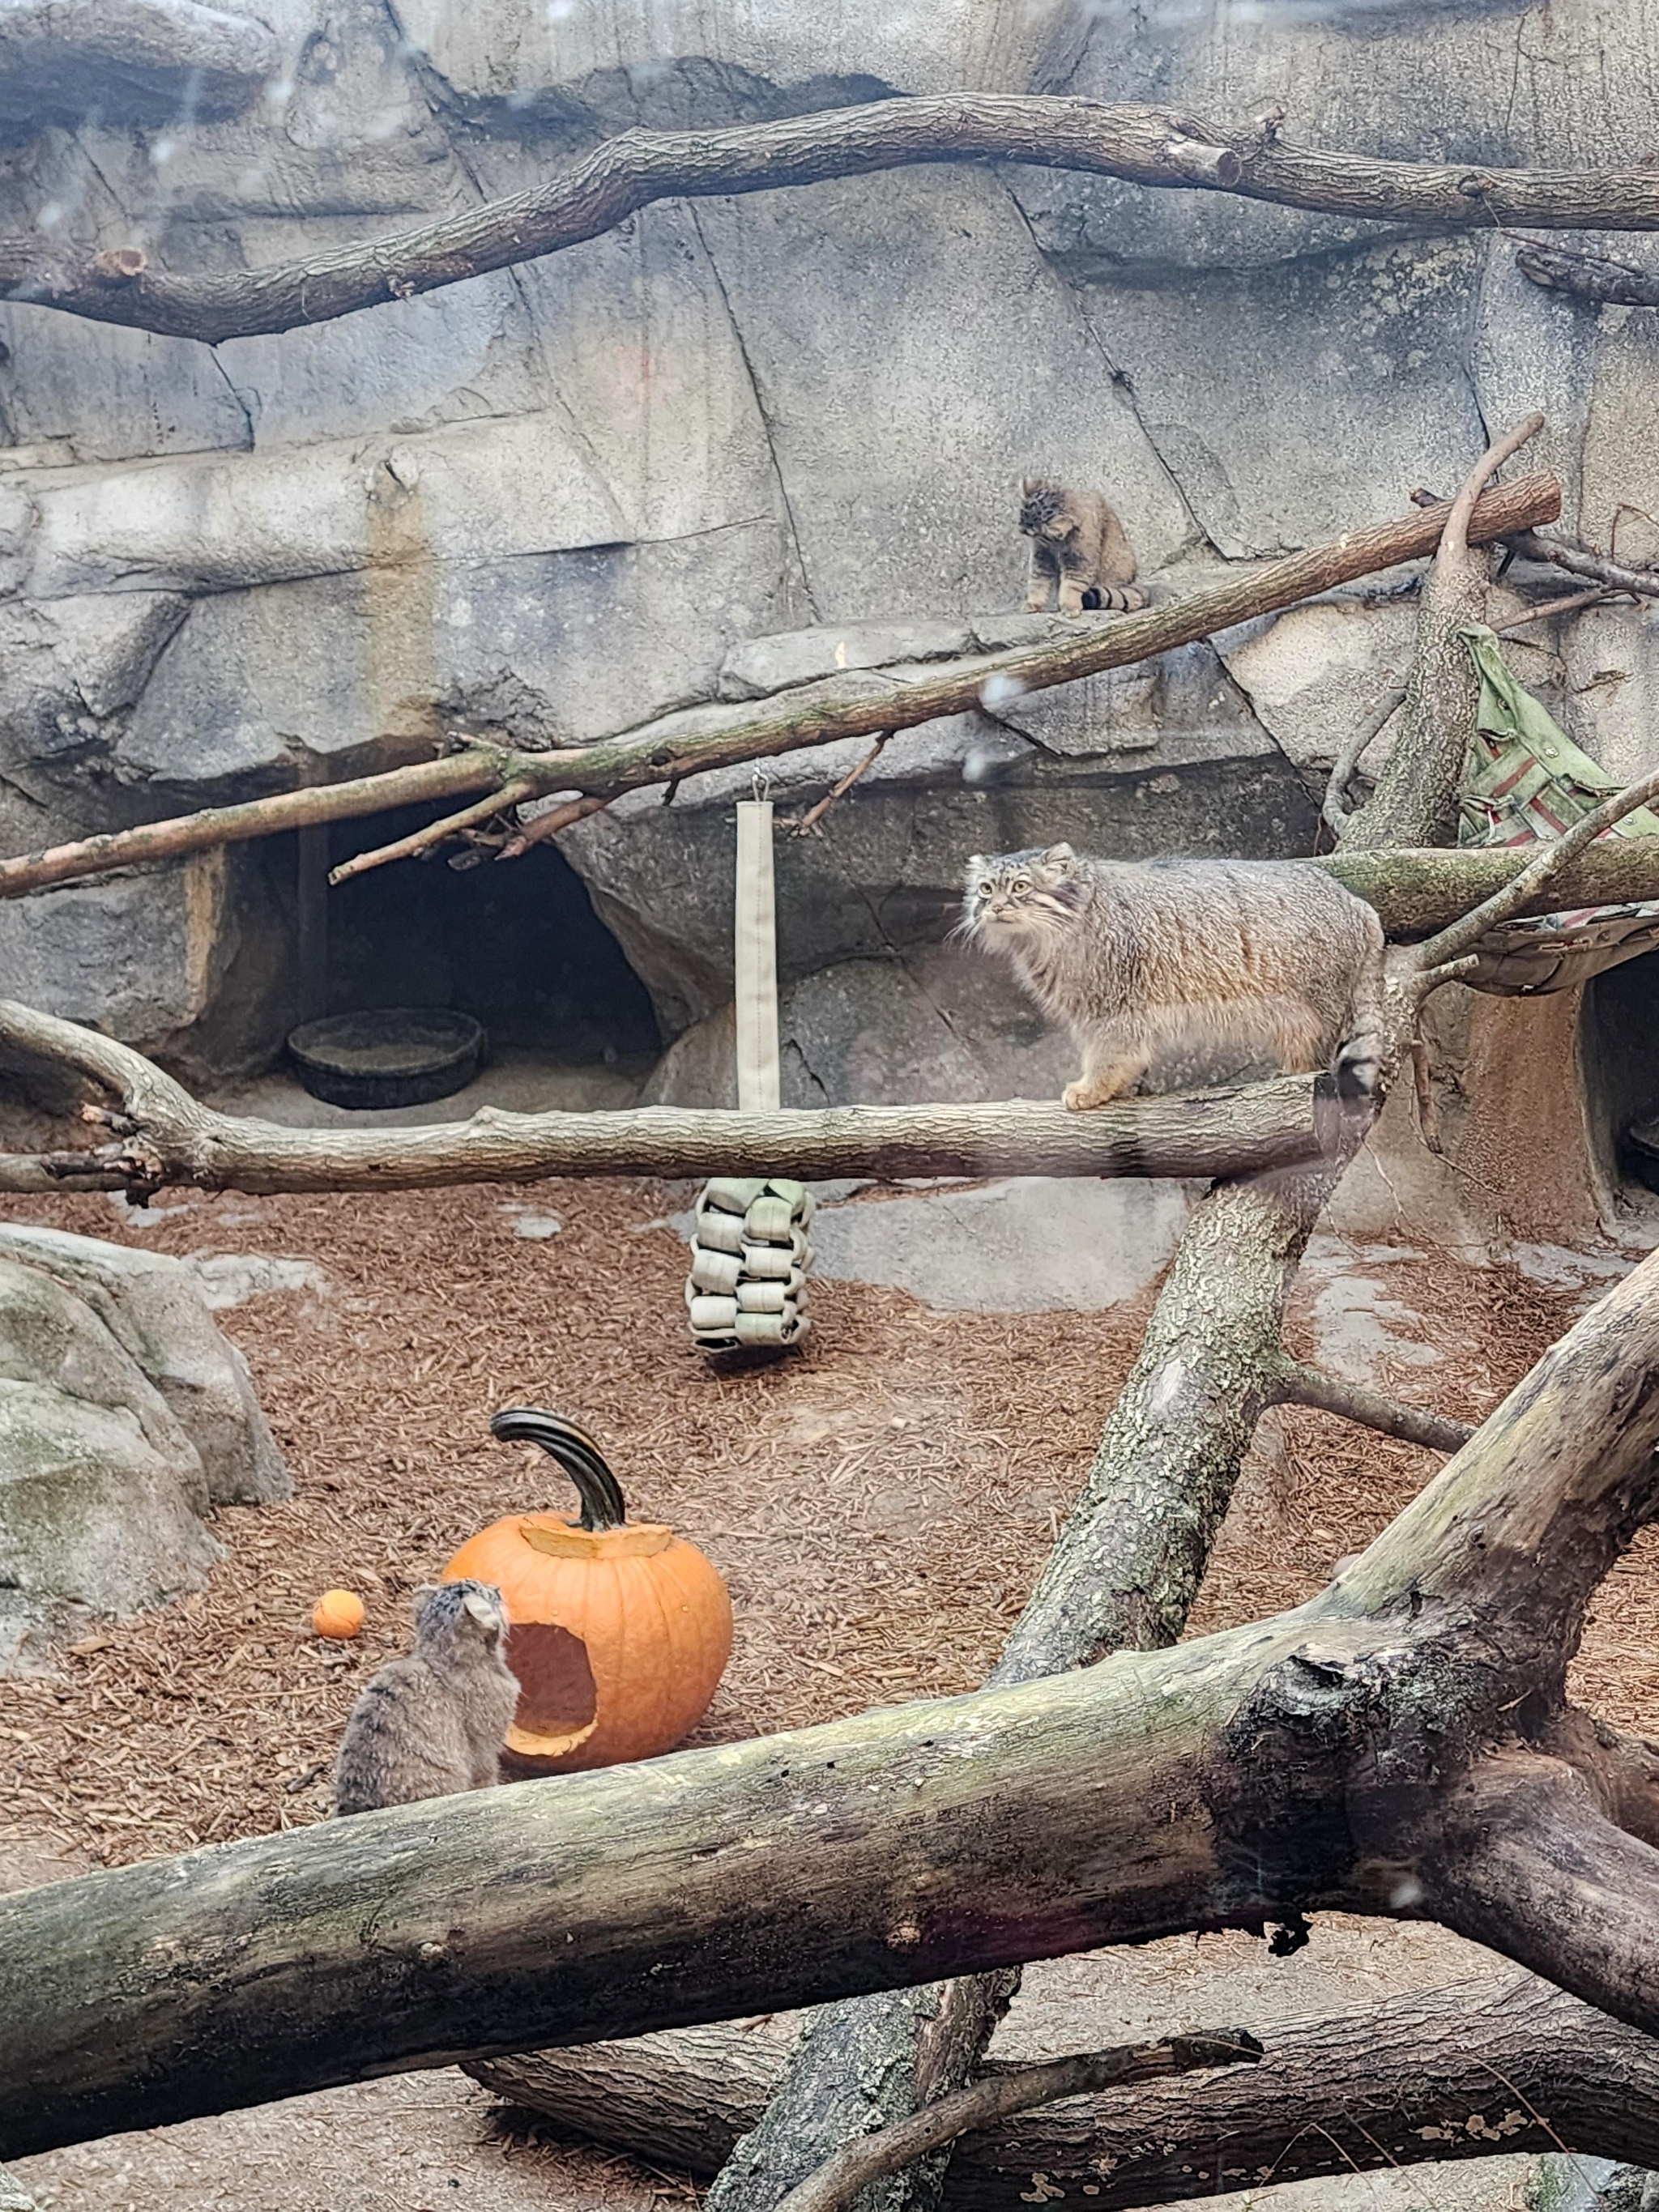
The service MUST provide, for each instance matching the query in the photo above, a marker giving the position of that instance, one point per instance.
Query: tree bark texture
(1123, 1574)
(862, 703)
(1324, 1759)
(1142, 145)
(1588, 277)
(178, 1140)
(1502, 2065)
(1415, 801)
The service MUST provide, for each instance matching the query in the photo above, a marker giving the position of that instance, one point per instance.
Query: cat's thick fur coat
(1078, 550)
(432, 1724)
(1232, 963)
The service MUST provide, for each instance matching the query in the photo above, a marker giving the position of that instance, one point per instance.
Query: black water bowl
(1642, 1141)
(391, 1056)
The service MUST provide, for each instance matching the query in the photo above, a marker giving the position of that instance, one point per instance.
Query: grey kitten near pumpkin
(1235, 964)
(1080, 549)
(432, 1724)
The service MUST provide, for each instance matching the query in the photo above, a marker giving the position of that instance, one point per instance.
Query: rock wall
(735, 438)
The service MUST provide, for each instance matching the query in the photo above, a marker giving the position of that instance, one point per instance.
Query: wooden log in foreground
(863, 703)
(1501, 2064)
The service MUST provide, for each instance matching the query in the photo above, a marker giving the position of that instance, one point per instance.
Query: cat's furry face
(1012, 897)
(452, 1616)
(1046, 509)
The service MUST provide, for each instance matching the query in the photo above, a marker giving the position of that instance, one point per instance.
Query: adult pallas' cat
(1079, 547)
(1232, 963)
(432, 1724)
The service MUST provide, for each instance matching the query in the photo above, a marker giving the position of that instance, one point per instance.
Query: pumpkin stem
(576, 1453)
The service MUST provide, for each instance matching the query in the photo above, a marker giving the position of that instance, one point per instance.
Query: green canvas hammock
(1526, 780)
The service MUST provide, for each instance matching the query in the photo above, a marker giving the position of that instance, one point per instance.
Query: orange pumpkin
(338, 1614)
(619, 1630)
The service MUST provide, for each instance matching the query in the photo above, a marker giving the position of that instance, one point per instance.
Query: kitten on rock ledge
(1077, 544)
(1236, 965)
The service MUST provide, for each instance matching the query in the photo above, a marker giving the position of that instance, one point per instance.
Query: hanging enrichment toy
(749, 1252)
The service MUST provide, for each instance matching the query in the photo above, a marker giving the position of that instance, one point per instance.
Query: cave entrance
(1619, 1046)
(516, 946)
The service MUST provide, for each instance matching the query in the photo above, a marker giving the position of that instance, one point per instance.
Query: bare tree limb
(179, 1140)
(1576, 560)
(1588, 276)
(997, 2096)
(1335, 809)
(1501, 2064)
(805, 825)
(1415, 801)
(1143, 145)
(1295, 1384)
(859, 703)
(435, 833)
(1548, 860)
(544, 826)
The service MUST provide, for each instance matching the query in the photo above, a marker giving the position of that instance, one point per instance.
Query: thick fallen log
(1143, 145)
(1323, 1760)
(863, 703)
(1502, 2065)
(176, 1139)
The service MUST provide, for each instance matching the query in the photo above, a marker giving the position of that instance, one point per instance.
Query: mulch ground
(879, 1504)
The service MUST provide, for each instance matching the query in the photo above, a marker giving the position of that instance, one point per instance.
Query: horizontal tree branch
(861, 703)
(178, 1140)
(1141, 144)
(1295, 1384)
(1419, 889)
(998, 2096)
(1500, 2064)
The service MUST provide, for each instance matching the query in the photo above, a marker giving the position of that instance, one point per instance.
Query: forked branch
(998, 2096)
(861, 703)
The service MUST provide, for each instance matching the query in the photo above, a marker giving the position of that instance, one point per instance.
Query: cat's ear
(485, 1607)
(1060, 857)
(976, 862)
(1027, 486)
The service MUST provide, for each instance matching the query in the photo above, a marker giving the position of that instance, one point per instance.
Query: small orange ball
(338, 1614)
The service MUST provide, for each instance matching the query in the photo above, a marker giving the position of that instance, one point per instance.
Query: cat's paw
(1036, 606)
(1082, 1097)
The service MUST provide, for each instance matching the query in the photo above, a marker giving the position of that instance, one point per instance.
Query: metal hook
(760, 787)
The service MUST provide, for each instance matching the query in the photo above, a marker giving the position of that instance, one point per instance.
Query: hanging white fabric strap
(756, 961)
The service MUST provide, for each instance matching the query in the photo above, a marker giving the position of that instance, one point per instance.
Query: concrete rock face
(125, 1419)
(739, 443)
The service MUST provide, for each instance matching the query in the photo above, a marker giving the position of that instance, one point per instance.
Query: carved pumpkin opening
(558, 1702)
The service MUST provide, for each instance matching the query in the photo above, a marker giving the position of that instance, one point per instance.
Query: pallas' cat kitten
(1077, 544)
(433, 1724)
(1249, 962)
